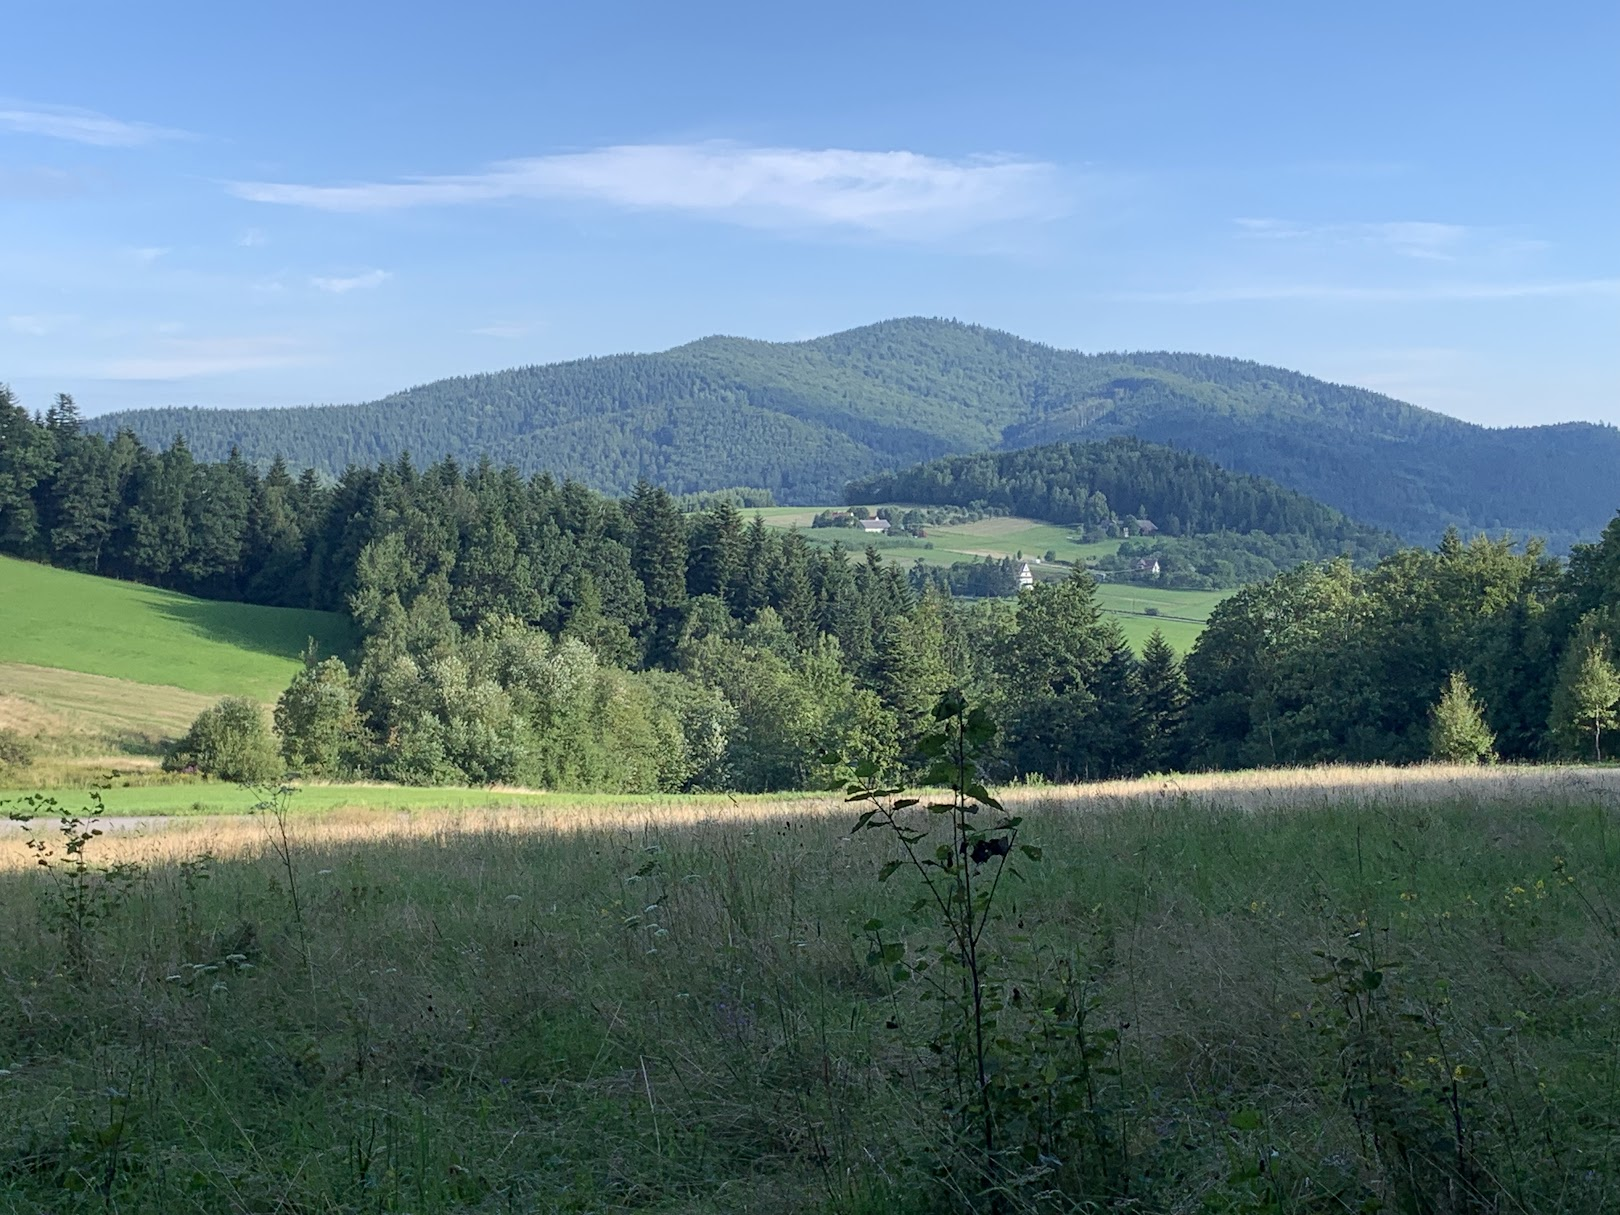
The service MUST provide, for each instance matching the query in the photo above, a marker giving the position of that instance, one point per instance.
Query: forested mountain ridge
(1087, 484)
(803, 418)
(1204, 527)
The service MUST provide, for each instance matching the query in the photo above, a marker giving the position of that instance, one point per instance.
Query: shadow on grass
(279, 632)
(138, 743)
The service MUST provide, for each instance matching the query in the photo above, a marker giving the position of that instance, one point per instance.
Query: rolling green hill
(803, 418)
(123, 630)
(1089, 485)
(94, 664)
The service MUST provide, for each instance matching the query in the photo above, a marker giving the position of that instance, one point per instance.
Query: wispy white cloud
(252, 238)
(81, 126)
(898, 194)
(357, 282)
(1410, 238)
(146, 254)
(33, 325)
(40, 182)
(1418, 293)
(508, 329)
(189, 358)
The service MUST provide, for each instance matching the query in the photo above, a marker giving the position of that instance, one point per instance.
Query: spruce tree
(1164, 705)
(26, 460)
(62, 418)
(1048, 671)
(909, 671)
(659, 556)
(717, 552)
(792, 591)
(158, 535)
(1457, 730)
(82, 505)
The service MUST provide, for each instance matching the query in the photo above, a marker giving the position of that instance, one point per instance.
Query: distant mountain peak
(802, 418)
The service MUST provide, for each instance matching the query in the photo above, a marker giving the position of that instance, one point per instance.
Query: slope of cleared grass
(1140, 606)
(81, 716)
(476, 1012)
(102, 673)
(999, 536)
(125, 631)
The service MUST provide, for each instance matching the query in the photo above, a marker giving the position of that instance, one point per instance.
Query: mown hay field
(670, 1006)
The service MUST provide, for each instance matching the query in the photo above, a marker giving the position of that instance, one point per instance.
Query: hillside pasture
(99, 668)
(666, 1007)
(1141, 606)
(82, 717)
(124, 630)
(998, 536)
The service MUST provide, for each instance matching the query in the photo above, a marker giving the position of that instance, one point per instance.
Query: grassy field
(122, 630)
(102, 673)
(193, 796)
(1003, 536)
(1179, 615)
(83, 716)
(1309, 992)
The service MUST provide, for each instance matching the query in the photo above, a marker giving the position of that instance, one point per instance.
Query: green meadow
(138, 795)
(94, 669)
(123, 630)
(1141, 607)
(1354, 1004)
(1002, 536)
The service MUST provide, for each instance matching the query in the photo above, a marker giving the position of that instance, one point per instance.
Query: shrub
(230, 741)
(16, 751)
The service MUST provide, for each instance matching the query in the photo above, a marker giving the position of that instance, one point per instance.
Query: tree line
(1106, 486)
(1208, 528)
(1329, 663)
(520, 630)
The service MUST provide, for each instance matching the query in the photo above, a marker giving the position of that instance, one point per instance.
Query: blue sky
(245, 205)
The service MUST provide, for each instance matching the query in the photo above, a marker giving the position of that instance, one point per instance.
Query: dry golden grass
(75, 713)
(1280, 788)
(157, 838)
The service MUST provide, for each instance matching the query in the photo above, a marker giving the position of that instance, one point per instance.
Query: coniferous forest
(1208, 528)
(804, 418)
(524, 630)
